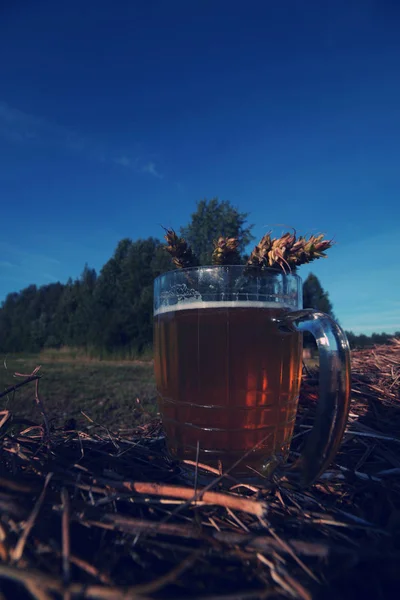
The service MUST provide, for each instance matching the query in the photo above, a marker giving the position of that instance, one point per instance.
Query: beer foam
(203, 304)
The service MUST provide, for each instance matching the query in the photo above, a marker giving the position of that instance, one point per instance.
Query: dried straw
(96, 514)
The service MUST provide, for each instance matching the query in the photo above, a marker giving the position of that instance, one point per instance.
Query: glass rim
(266, 271)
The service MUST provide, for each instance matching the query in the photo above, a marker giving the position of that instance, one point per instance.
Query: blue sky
(116, 117)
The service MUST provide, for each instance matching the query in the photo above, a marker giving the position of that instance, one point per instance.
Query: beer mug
(228, 352)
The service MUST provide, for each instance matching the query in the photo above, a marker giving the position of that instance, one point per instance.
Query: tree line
(110, 313)
(105, 313)
(367, 341)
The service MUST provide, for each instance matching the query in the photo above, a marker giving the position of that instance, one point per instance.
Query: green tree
(314, 296)
(81, 318)
(104, 330)
(212, 219)
(26, 318)
(363, 341)
(122, 317)
(62, 329)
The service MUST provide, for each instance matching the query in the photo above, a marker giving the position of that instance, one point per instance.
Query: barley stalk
(181, 253)
(287, 252)
(226, 251)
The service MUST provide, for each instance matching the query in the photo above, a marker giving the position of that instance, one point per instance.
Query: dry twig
(126, 526)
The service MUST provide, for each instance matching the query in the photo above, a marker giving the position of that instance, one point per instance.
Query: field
(89, 513)
(119, 395)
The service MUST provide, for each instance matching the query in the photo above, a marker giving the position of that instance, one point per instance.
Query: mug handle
(333, 406)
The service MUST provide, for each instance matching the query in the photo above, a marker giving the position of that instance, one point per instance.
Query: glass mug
(228, 364)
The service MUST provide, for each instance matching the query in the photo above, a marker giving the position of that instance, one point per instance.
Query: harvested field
(91, 512)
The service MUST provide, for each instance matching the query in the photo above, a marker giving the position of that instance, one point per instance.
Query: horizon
(117, 119)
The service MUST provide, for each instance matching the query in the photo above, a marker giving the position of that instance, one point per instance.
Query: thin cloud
(19, 254)
(49, 277)
(19, 127)
(21, 267)
(150, 169)
(123, 161)
(368, 321)
(367, 317)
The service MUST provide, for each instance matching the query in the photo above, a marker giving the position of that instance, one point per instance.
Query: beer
(227, 381)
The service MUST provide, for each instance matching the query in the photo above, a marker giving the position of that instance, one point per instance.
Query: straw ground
(90, 511)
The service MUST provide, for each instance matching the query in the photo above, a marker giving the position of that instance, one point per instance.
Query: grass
(92, 354)
(117, 394)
